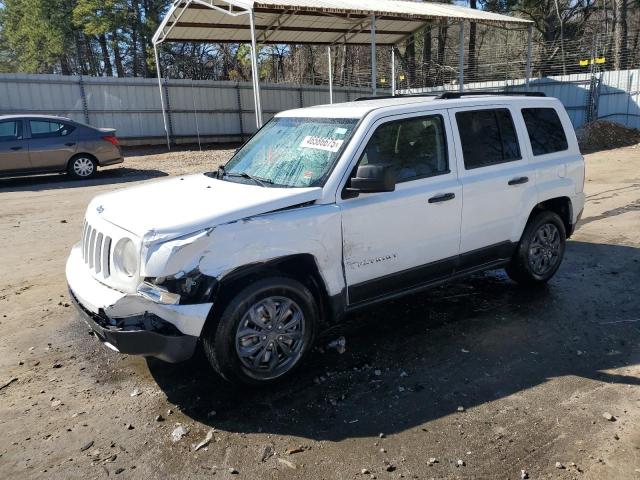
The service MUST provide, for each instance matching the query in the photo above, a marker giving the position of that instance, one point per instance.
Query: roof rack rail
(401, 95)
(453, 95)
(380, 97)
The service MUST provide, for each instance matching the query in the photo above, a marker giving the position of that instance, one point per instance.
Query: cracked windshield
(292, 152)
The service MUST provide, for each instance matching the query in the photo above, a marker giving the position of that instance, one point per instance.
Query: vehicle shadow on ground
(57, 181)
(417, 359)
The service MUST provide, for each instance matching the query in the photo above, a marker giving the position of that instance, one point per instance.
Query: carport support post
(461, 59)
(373, 56)
(393, 71)
(255, 75)
(83, 95)
(330, 74)
(164, 113)
(527, 68)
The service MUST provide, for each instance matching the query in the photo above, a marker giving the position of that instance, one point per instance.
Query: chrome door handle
(442, 198)
(518, 181)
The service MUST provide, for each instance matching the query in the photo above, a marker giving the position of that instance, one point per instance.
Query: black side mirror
(373, 179)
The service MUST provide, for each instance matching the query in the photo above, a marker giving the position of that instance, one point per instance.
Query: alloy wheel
(544, 249)
(270, 337)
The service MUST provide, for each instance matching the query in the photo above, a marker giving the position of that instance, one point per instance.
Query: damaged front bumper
(138, 336)
(132, 323)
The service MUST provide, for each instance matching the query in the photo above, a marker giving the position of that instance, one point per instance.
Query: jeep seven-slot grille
(96, 249)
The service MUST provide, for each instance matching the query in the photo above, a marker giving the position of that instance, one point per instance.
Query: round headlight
(125, 257)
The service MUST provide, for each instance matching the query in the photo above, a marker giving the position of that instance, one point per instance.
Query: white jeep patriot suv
(326, 210)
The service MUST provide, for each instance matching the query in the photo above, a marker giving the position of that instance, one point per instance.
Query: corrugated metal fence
(223, 111)
(215, 111)
(618, 97)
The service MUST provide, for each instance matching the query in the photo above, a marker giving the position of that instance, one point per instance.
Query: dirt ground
(487, 378)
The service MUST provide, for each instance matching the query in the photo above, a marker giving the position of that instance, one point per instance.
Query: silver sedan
(42, 144)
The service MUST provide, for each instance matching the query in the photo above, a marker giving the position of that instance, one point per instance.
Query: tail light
(111, 139)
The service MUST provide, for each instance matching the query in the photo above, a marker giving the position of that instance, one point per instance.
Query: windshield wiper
(222, 172)
(257, 181)
(216, 173)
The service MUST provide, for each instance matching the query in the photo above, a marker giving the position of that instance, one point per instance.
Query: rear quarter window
(45, 129)
(545, 130)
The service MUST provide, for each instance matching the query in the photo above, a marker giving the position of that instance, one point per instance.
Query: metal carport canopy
(317, 22)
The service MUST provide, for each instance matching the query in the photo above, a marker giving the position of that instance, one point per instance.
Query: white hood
(178, 206)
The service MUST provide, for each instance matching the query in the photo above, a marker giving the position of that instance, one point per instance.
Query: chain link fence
(430, 59)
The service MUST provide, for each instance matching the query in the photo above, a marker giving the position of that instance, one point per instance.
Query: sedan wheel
(82, 167)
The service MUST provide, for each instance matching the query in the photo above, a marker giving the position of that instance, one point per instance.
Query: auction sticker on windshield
(321, 143)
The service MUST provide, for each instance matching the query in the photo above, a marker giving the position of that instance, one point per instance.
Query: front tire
(263, 332)
(540, 251)
(82, 167)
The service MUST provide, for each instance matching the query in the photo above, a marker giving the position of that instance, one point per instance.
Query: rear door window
(10, 131)
(45, 129)
(545, 130)
(488, 137)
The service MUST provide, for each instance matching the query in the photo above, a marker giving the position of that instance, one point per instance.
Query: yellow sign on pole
(586, 63)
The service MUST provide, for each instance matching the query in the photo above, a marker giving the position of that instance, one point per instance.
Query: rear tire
(82, 167)
(263, 332)
(540, 250)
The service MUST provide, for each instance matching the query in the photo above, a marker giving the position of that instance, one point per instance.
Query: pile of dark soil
(603, 135)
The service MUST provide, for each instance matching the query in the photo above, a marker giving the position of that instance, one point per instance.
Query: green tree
(37, 36)
(104, 19)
